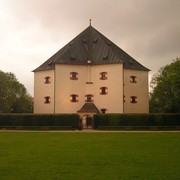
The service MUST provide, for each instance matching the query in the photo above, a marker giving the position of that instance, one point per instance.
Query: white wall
(139, 89)
(41, 90)
(113, 101)
(65, 87)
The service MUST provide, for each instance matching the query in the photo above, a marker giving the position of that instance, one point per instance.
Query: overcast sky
(31, 31)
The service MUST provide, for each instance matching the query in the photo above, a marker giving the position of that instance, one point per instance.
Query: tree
(14, 97)
(165, 94)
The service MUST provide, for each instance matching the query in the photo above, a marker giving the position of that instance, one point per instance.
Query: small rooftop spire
(90, 22)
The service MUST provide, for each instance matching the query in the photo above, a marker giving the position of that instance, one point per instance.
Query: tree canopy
(14, 97)
(165, 94)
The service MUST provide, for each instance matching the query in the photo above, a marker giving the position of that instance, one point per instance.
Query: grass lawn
(40, 155)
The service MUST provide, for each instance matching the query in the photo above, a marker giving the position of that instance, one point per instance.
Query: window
(73, 75)
(133, 79)
(89, 98)
(103, 111)
(103, 76)
(74, 98)
(133, 99)
(103, 90)
(47, 80)
(47, 100)
(124, 99)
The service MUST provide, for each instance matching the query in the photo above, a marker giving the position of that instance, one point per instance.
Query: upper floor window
(47, 100)
(103, 90)
(133, 99)
(89, 98)
(103, 76)
(74, 98)
(47, 80)
(103, 111)
(73, 75)
(133, 79)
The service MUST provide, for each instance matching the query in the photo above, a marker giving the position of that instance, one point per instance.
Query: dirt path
(89, 131)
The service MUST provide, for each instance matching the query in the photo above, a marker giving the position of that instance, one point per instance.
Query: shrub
(101, 120)
(136, 120)
(40, 120)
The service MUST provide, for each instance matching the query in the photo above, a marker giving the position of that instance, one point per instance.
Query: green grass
(40, 155)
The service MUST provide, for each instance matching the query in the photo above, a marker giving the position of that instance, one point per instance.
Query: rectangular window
(47, 100)
(103, 90)
(103, 111)
(133, 99)
(89, 98)
(47, 80)
(103, 76)
(133, 79)
(74, 98)
(73, 75)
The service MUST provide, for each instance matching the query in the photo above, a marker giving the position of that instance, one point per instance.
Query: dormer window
(47, 80)
(50, 63)
(74, 98)
(103, 76)
(73, 75)
(105, 57)
(133, 99)
(103, 90)
(89, 98)
(133, 79)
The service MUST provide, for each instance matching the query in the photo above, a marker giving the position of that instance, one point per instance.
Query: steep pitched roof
(91, 45)
(89, 108)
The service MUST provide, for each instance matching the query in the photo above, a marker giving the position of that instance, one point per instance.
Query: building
(91, 75)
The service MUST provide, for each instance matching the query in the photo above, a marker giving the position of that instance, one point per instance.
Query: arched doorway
(86, 112)
(87, 121)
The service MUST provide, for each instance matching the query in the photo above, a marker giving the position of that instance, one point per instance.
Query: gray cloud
(32, 31)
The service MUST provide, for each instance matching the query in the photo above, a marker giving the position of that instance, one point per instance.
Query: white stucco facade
(117, 98)
(139, 89)
(42, 90)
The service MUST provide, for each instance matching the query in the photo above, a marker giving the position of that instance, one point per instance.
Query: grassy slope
(89, 155)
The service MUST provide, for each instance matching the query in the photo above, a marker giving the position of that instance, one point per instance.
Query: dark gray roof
(89, 108)
(91, 45)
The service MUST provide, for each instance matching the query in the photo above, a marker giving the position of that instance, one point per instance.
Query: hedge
(36, 128)
(72, 120)
(136, 120)
(139, 128)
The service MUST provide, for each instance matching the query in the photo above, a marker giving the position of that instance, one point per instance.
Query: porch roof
(89, 108)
